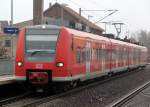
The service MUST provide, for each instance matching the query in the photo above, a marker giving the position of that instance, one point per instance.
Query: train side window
(97, 54)
(134, 54)
(125, 54)
(120, 55)
(78, 55)
(113, 55)
(92, 54)
(83, 55)
(102, 54)
(130, 55)
(139, 55)
(117, 55)
(88, 54)
(106, 52)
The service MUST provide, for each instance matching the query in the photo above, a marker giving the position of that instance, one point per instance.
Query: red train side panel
(58, 54)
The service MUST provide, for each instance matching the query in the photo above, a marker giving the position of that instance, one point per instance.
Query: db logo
(39, 66)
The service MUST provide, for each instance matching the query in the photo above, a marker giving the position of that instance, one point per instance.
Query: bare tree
(144, 38)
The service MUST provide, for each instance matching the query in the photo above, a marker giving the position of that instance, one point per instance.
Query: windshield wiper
(37, 51)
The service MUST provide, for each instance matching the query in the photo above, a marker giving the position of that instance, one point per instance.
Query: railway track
(129, 96)
(13, 99)
(25, 101)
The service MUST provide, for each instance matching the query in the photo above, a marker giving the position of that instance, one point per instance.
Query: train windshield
(41, 44)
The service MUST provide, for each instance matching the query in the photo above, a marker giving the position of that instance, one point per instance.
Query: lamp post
(106, 26)
(11, 24)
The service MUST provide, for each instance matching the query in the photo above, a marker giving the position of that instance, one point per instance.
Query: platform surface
(7, 79)
(140, 100)
(6, 71)
(6, 67)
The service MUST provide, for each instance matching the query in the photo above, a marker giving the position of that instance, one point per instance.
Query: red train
(48, 53)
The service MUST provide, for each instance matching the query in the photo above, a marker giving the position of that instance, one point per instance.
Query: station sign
(11, 30)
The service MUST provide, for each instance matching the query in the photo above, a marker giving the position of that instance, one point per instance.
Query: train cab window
(40, 44)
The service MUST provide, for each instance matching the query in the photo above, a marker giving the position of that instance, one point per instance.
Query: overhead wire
(86, 13)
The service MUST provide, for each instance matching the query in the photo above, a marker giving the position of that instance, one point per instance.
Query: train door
(88, 54)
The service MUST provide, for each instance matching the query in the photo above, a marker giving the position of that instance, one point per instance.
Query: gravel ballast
(103, 94)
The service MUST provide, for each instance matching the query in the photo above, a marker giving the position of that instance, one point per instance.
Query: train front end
(36, 55)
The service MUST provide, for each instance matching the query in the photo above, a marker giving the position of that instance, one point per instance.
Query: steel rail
(13, 99)
(129, 96)
(37, 102)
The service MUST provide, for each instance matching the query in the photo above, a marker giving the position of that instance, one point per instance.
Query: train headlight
(43, 26)
(60, 64)
(19, 64)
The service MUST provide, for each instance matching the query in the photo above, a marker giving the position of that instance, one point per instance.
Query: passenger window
(83, 55)
(92, 52)
(107, 54)
(102, 54)
(78, 55)
(97, 54)
(120, 55)
(88, 54)
(113, 54)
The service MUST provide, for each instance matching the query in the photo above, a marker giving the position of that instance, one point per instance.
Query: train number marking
(39, 66)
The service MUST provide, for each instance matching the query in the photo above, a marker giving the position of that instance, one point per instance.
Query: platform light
(19, 64)
(60, 64)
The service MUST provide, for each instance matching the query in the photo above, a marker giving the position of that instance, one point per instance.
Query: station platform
(6, 71)
(140, 100)
(7, 79)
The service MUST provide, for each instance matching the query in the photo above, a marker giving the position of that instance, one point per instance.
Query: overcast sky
(134, 13)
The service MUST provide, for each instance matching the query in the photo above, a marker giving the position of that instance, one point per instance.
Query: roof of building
(75, 14)
(69, 10)
(3, 24)
(23, 24)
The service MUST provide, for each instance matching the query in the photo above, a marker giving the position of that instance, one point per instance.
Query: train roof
(102, 38)
(85, 34)
(44, 27)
